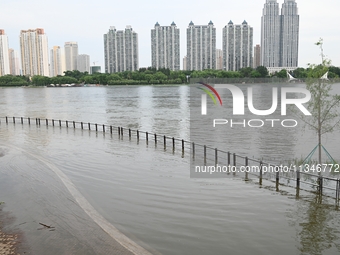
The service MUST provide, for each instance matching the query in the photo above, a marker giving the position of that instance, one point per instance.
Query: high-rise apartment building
(121, 50)
(289, 34)
(270, 34)
(83, 63)
(237, 46)
(71, 55)
(201, 46)
(56, 63)
(14, 62)
(219, 59)
(185, 63)
(280, 34)
(257, 56)
(165, 47)
(4, 59)
(34, 52)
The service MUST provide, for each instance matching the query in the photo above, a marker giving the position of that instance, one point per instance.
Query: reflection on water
(317, 226)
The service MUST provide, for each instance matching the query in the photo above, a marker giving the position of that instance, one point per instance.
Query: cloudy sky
(86, 21)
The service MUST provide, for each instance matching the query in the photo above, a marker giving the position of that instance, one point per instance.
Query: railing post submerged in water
(246, 168)
(216, 157)
(260, 181)
(337, 191)
(298, 179)
(320, 184)
(234, 164)
(205, 154)
(277, 181)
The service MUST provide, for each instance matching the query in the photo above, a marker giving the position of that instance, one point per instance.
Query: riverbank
(8, 241)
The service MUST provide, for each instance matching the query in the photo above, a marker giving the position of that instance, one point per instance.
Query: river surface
(143, 190)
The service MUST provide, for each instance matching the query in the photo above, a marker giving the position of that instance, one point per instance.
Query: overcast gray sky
(86, 21)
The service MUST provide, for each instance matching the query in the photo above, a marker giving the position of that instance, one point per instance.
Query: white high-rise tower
(289, 34)
(121, 50)
(201, 47)
(71, 56)
(4, 58)
(34, 52)
(56, 65)
(270, 34)
(280, 34)
(165, 49)
(237, 46)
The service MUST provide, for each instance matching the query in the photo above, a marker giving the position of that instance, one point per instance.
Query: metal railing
(206, 155)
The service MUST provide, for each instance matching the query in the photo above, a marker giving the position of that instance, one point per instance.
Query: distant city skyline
(64, 24)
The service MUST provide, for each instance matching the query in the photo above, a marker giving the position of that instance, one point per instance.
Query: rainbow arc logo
(211, 91)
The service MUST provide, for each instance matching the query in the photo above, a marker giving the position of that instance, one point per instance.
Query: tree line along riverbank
(146, 76)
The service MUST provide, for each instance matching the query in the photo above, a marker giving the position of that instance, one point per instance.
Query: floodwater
(68, 179)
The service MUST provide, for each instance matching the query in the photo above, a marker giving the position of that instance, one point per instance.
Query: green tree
(281, 74)
(246, 71)
(262, 70)
(160, 76)
(255, 74)
(300, 73)
(323, 106)
(114, 76)
(75, 74)
(39, 80)
(165, 71)
(334, 70)
(10, 80)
